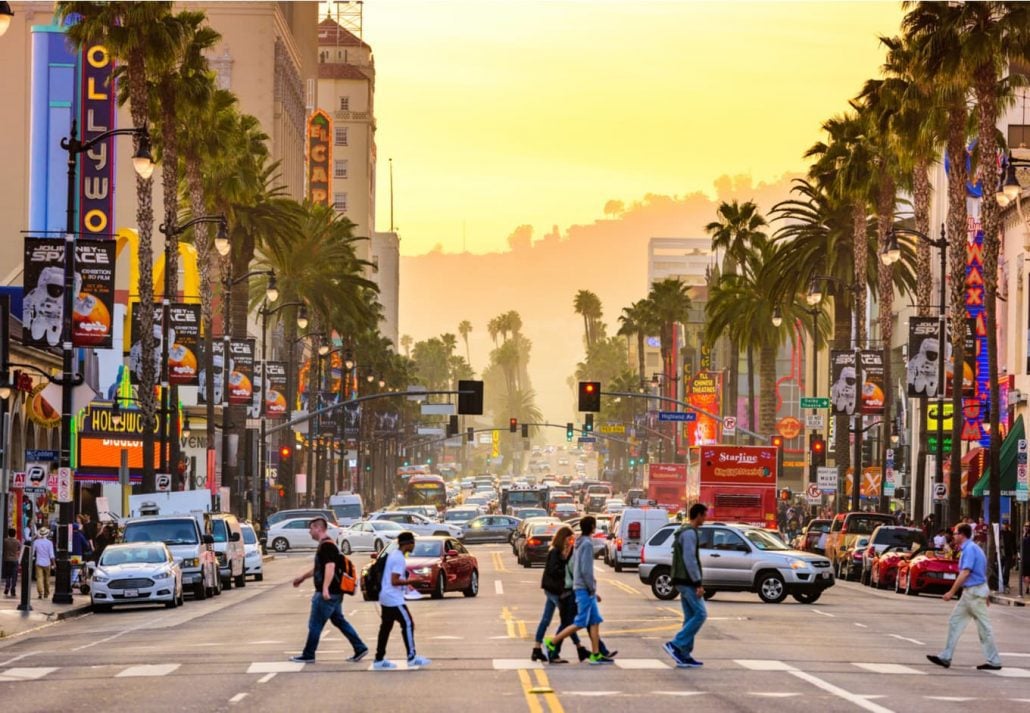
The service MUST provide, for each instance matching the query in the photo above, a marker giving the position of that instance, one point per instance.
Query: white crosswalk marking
(275, 667)
(636, 664)
(1012, 673)
(157, 669)
(515, 664)
(26, 674)
(401, 666)
(764, 665)
(894, 668)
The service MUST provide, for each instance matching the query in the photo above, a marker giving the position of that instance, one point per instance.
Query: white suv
(739, 558)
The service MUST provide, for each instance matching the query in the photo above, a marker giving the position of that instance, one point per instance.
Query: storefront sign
(97, 114)
(102, 438)
(706, 394)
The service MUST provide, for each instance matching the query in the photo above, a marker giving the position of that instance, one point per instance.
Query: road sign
(814, 420)
(729, 425)
(495, 443)
(65, 485)
(41, 456)
(18, 481)
(931, 443)
(37, 474)
(1022, 484)
(163, 482)
(612, 428)
(587, 439)
(29, 490)
(814, 494)
(815, 402)
(826, 477)
(940, 491)
(677, 416)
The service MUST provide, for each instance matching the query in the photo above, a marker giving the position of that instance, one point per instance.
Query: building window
(344, 103)
(341, 136)
(340, 168)
(340, 202)
(1019, 135)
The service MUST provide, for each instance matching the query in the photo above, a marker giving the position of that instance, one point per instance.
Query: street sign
(587, 439)
(1022, 484)
(888, 472)
(729, 425)
(815, 402)
(42, 456)
(65, 487)
(814, 420)
(29, 490)
(931, 443)
(163, 482)
(814, 494)
(826, 477)
(940, 491)
(37, 475)
(18, 481)
(612, 428)
(682, 416)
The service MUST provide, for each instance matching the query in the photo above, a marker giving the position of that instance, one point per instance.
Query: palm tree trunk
(170, 198)
(730, 408)
(957, 228)
(586, 330)
(752, 413)
(861, 247)
(767, 388)
(202, 240)
(885, 221)
(924, 291)
(842, 317)
(640, 354)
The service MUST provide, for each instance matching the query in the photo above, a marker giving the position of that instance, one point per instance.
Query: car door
(733, 557)
(463, 562)
(476, 530)
(297, 533)
(507, 526)
(358, 536)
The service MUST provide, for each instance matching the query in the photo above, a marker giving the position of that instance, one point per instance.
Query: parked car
(849, 560)
(931, 571)
(739, 558)
(630, 530)
(808, 540)
(614, 505)
(532, 547)
(886, 537)
(253, 561)
(372, 535)
(295, 534)
(883, 572)
(436, 565)
(224, 528)
(489, 528)
(136, 573)
(191, 548)
(309, 513)
(460, 515)
(848, 527)
(418, 524)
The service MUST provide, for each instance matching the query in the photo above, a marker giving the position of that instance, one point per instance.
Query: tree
(464, 329)
(406, 342)
(588, 304)
(669, 302)
(637, 320)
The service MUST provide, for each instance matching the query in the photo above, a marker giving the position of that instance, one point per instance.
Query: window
(341, 136)
(1019, 135)
(340, 202)
(344, 103)
(340, 168)
(727, 540)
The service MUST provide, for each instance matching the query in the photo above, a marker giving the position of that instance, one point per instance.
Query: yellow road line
(522, 629)
(499, 564)
(509, 622)
(622, 585)
(550, 696)
(677, 612)
(531, 698)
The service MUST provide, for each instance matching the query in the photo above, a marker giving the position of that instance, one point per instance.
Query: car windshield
(532, 512)
(218, 530)
(427, 548)
(765, 540)
(386, 525)
(894, 537)
(347, 510)
(459, 515)
(863, 524)
(170, 532)
(544, 529)
(132, 555)
(249, 536)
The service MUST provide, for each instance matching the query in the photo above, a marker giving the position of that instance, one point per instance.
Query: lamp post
(302, 322)
(143, 162)
(777, 321)
(6, 15)
(890, 255)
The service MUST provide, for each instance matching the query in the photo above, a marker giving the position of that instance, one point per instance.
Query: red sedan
(883, 572)
(436, 566)
(932, 571)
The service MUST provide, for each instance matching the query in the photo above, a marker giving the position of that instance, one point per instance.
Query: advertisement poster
(241, 375)
(738, 465)
(183, 365)
(274, 386)
(924, 350)
(136, 341)
(873, 390)
(93, 286)
(843, 380)
(218, 351)
(705, 393)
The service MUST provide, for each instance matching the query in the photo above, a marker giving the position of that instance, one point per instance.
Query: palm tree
(588, 304)
(464, 329)
(669, 302)
(637, 320)
(406, 342)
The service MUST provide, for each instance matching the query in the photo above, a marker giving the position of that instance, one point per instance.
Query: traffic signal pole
(667, 399)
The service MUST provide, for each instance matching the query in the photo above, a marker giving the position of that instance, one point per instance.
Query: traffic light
(588, 424)
(525, 430)
(817, 446)
(471, 435)
(570, 431)
(284, 452)
(470, 404)
(777, 442)
(282, 491)
(452, 426)
(590, 396)
(632, 462)
(513, 425)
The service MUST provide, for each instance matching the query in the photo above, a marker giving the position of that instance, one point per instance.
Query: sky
(500, 114)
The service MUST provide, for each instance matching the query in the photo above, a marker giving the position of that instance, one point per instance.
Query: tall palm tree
(669, 302)
(637, 320)
(588, 304)
(465, 329)
(406, 342)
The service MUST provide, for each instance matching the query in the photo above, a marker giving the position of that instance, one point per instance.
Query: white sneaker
(419, 661)
(384, 665)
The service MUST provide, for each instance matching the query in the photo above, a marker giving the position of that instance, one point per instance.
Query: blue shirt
(973, 559)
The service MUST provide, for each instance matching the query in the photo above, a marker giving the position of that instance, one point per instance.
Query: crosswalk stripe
(764, 665)
(638, 664)
(26, 674)
(157, 669)
(1012, 673)
(515, 664)
(275, 667)
(892, 668)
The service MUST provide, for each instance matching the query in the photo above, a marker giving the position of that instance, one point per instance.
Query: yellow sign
(931, 416)
(495, 440)
(612, 428)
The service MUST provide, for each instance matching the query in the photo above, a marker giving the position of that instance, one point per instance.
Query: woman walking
(559, 594)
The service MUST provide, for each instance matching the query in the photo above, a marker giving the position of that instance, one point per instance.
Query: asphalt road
(855, 649)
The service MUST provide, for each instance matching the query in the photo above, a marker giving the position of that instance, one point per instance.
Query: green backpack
(679, 570)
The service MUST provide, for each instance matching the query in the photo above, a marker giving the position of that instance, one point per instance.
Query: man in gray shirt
(686, 575)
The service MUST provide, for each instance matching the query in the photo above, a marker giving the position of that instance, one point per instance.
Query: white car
(460, 515)
(253, 564)
(294, 534)
(614, 505)
(370, 535)
(136, 573)
(418, 524)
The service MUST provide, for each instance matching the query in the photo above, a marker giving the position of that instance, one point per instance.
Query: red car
(436, 566)
(932, 571)
(883, 572)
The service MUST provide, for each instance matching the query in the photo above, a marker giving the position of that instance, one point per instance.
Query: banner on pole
(844, 380)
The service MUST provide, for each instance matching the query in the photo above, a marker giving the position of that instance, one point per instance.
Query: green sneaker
(599, 660)
(549, 645)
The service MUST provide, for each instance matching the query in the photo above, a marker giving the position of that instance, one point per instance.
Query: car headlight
(193, 562)
(99, 578)
(163, 575)
(422, 571)
(798, 564)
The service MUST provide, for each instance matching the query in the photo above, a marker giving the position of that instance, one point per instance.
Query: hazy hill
(540, 274)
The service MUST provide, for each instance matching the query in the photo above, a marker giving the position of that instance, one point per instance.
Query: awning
(1007, 459)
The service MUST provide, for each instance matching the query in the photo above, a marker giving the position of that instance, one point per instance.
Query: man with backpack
(686, 575)
(330, 572)
(393, 583)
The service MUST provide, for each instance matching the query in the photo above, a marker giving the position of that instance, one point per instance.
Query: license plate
(950, 575)
(825, 575)
(131, 592)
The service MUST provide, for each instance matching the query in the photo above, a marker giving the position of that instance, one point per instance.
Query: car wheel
(473, 588)
(807, 597)
(617, 565)
(199, 591)
(227, 582)
(345, 547)
(709, 593)
(897, 584)
(865, 578)
(662, 586)
(378, 546)
(241, 580)
(440, 588)
(525, 562)
(259, 577)
(771, 588)
(280, 544)
(908, 587)
(217, 587)
(173, 603)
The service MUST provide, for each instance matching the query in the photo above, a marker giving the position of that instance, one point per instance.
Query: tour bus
(426, 489)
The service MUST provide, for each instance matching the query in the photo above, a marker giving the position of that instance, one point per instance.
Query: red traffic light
(777, 441)
(513, 425)
(818, 445)
(284, 452)
(588, 387)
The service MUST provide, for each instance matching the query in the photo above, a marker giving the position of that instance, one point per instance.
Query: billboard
(738, 465)
(184, 323)
(97, 114)
(705, 393)
(320, 155)
(101, 440)
(873, 387)
(274, 387)
(924, 349)
(93, 291)
(843, 382)
(241, 376)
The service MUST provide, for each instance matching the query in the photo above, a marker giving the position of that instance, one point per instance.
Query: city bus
(426, 489)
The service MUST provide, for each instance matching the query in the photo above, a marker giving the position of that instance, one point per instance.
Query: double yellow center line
(541, 691)
(498, 563)
(627, 588)
(516, 628)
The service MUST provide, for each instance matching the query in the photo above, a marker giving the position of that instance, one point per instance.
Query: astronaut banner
(217, 350)
(183, 369)
(93, 286)
(873, 388)
(241, 374)
(275, 389)
(924, 351)
(843, 383)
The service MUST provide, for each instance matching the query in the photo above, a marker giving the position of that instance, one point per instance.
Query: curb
(74, 612)
(267, 558)
(1007, 601)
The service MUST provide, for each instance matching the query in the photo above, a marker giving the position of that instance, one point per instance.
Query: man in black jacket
(687, 576)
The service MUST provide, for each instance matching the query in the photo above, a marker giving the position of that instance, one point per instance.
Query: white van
(635, 527)
(348, 507)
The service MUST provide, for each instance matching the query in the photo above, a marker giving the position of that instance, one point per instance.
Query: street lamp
(6, 14)
(777, 317)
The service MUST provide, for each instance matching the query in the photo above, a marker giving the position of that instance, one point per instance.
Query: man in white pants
(972, 580)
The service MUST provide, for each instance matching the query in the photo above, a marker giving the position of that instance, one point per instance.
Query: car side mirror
(208, 539)
(234, 537)
(452, 553)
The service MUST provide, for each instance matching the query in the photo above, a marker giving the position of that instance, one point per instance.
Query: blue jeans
(694, 615)
(566, 609)
(323, 611)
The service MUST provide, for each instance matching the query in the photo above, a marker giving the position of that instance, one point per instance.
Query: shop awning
(1007, 460)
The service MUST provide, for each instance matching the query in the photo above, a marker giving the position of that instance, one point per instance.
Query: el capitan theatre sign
(320, 156)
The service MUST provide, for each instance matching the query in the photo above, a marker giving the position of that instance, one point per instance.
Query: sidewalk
(44, 611)
(1012, 599)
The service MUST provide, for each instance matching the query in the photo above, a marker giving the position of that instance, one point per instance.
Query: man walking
(686, 575)
(392, 607)
(584, 587)
(12, 552)
(972, 581)
(326, 603)
(43, 552)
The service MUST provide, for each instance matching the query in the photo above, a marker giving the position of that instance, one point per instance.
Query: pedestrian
(940, 540)
(1024, 557)
(688, 579)
(585, 588)
(43, 552)
(326, 602)
(392, 607)
(972, 605)
(12, 553)
(1009, 550)
(104, 538)
(557, 593)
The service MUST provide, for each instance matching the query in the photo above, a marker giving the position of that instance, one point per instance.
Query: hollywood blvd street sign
(682, 416)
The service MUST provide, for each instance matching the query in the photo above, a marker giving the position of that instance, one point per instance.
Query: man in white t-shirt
(392, 607)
